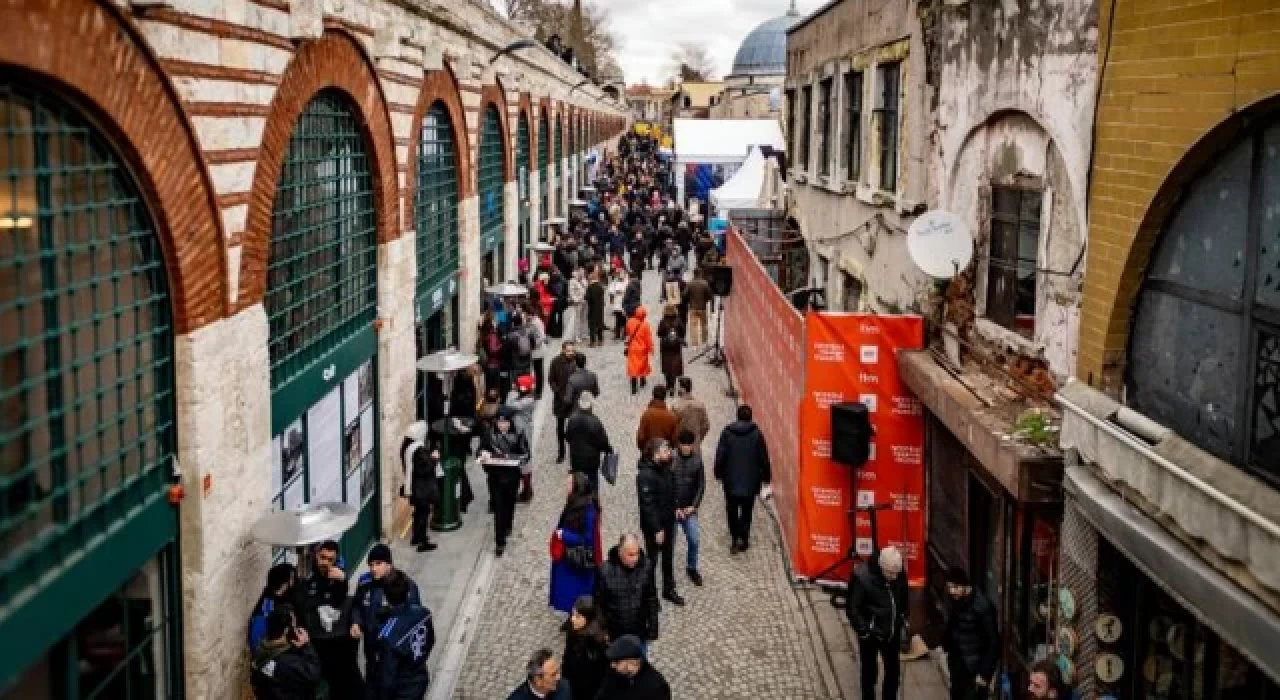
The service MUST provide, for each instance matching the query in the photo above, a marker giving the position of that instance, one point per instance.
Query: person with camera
(877, 610)
(285, 666)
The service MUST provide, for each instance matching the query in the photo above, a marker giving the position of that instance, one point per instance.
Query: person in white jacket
(537, 331)
(577, 312)
(616, 291)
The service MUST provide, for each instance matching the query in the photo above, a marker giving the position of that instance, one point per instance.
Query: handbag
(580, 557)
(556, 546)
(609, 468)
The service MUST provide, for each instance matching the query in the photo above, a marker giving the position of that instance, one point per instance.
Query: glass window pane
(1268, 284)
(1184, 369)
(1265, 452)
(1202, 247)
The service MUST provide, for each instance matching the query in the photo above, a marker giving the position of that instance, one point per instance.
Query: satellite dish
(939, 244)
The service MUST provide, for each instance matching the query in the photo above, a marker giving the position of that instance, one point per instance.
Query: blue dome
(764, 51)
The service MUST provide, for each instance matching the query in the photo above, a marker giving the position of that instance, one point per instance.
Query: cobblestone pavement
(742, 635)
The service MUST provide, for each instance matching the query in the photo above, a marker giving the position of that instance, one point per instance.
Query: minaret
(793, 12)
(578, 38)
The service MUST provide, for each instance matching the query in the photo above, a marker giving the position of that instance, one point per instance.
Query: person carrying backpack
(519, 348)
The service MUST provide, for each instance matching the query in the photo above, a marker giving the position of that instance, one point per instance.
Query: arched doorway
(88, 428)
(321, 301)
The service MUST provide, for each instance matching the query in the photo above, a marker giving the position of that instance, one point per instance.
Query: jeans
(693, 538)
(596, 332)
(561, 419)
(504, 487)
(697, 327)
(739, 508)
(868, 649)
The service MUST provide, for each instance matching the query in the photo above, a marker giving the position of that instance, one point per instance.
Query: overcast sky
(648, 30)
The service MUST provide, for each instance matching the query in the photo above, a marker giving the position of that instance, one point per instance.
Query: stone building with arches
(229, 231)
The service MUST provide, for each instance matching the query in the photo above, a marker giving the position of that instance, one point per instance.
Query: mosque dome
(764, 51)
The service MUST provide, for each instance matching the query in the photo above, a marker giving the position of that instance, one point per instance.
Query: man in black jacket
(625, 593)
(631, 677)
(971, 638)
(588, 441)
(742, 467)
(285, 667)
(656, 491)
(877, 610)
(406, 636)
(558, 378)
(691, 481)
(422, 469)
(323, 610)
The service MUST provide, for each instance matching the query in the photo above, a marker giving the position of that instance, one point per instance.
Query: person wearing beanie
(402, 643)
(277, 593)
(503, 455)
(370, 605)
(971, 637)
(588, 441)
(631, 676)
(423, 470)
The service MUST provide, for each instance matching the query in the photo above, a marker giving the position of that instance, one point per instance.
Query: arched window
(557, 160)
(322, 275)
(522, 175)
(1205, 347)
(491, 182)
(436, 215)
(544, 163)
(87, 410)
(321, 302)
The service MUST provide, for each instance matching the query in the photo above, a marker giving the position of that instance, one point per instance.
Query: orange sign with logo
(853, 358)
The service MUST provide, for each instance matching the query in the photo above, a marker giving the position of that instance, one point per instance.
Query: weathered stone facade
(854, 219)
(201, 95)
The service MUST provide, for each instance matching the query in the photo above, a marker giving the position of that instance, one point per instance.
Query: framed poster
(351, 445)
(324, 446)
(292, 452)
(366, 433)
(351, 398)
(366, 385)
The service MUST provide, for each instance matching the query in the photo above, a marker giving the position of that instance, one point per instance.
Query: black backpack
(522, 345)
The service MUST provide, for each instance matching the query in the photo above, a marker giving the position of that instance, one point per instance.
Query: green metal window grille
(557, 162)
(490, 180)
(522, 168)
(436, 215)
(86, 342)
(322, 277)
(559, 142)
(544, 160)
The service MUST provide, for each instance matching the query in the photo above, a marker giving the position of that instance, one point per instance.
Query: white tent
(742, 191)
(725, 142)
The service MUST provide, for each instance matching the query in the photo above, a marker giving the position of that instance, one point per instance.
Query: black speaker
(850, 434)
(720, 277)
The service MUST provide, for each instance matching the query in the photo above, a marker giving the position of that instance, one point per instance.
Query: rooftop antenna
(793, 11)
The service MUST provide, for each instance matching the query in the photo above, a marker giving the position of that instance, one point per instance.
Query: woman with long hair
(585, 664)
(575, 545)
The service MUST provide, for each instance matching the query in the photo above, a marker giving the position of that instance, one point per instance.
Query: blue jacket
(369, 601)
(398, 668)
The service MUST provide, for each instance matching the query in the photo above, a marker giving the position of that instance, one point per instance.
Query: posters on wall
(852, 358)
(324, 448)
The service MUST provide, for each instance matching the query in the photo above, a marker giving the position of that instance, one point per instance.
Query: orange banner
(848, 358)
(764, 341)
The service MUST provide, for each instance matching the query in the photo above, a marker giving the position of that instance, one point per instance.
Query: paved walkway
(747, 633)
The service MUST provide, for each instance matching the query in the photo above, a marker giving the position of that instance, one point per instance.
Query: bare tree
(550, 17)
(692, 62)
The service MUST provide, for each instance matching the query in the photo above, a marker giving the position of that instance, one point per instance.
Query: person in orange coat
(639, 348)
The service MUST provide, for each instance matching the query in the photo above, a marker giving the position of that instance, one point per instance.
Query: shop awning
(723, 140)
(1232, 612)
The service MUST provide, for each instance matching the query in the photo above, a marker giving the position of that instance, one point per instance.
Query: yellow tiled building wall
(1174, 72)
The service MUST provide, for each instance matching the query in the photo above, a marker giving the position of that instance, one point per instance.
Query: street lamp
(445, 365)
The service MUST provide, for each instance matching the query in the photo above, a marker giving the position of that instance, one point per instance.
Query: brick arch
(493, 95)
(525, 111)
(439, 86)
(334, 61)
(135, 106)
(1112, 292)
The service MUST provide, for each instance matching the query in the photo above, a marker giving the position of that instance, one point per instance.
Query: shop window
(436, 203)
(1205, 346)
(1011, 265)
(87, 431)
(853, 124)
(851, 298)
(887, 111)
(824, 127)
(806, 125)
(1032, 602)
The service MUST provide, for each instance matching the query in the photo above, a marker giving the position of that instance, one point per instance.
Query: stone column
(511, 228)
(397, 357)
(469, 276)
(223, 387)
